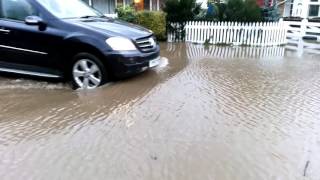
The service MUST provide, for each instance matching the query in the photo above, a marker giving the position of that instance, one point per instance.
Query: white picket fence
(300, 29)
(297, 31)
(235, 33)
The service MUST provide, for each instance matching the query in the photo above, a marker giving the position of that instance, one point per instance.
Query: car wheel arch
(71, 50)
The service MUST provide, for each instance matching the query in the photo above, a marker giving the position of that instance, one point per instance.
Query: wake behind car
(68, 39)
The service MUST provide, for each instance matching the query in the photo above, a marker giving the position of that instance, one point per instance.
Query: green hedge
(153, 20)
(126, 13)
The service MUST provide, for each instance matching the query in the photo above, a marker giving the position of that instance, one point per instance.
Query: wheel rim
(87, 74)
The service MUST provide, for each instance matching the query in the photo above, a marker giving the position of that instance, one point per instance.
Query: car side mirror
(33, 20)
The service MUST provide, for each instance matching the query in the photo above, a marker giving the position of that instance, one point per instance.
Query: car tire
(87, 72)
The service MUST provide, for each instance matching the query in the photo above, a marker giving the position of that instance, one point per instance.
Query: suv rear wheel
(88, 72)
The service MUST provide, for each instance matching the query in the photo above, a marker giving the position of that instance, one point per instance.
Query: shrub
(221, 11)
(271, 13)
(153, 20)
(243, 11)
(215, 12)
(126, 13)
(179, 12)
(232, 10)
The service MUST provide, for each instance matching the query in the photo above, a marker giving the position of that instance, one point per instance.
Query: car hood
(112, 27)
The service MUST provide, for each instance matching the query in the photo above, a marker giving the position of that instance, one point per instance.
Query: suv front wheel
(88, 72)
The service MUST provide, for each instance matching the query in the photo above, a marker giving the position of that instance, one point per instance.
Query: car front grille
(146, 44)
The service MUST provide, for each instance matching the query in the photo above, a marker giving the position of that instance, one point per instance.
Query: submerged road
(222, 113)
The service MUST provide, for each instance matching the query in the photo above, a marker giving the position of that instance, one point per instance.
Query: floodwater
(217, 113)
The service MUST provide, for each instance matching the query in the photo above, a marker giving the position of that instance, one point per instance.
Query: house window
(154, 5)
(104, 6)
(314, 10)
(146, 4)
(291, 7)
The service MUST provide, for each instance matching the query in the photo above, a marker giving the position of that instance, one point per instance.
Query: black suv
(69, 39)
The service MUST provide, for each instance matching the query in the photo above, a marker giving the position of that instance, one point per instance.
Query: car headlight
(121, 44)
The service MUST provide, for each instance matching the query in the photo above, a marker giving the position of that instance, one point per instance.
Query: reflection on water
(206, 113)
(230, 52)
(300, 46)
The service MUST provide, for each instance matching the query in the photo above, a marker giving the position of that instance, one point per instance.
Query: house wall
(281, 8)
(104, 6)
(260, 3)
(300, 8)
(109, 6)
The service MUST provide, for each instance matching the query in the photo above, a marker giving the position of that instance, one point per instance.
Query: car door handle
(4, 30)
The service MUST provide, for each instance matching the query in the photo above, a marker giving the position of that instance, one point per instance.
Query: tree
(243, 11)
(179, 12)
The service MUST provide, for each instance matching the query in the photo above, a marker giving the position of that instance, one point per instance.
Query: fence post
(214, 32)
(247, 39)
(277, 34)
(265, 40)
(271, 33)
(303, 28)
(193, 37)
(247, 28)
(232, 32)
(259, 34)
(269, 40)
(222, 32)
(211, 32)
(240, 33)
(218, 32)
(196, 31)
(284, 31)
(200, 32)
(228, 32)
(256, 33)
(263, 27)
(225, 32)
(207, 31)
(274, 33)
(237, 33)
(187, 32)
(251, 35)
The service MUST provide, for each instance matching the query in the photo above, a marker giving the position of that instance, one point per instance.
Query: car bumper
(124, 64)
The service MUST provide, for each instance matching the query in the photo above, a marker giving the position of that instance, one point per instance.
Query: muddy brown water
(222, 113)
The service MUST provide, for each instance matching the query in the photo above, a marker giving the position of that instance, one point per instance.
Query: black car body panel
(111, 27)
(51, 44)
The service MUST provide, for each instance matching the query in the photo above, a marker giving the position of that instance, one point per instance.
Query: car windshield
(69, 8)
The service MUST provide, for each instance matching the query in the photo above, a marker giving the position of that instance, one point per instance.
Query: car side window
(16, 9)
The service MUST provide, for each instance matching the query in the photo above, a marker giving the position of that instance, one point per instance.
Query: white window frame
(314, 3)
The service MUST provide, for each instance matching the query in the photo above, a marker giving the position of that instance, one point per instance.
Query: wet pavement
(217, 113)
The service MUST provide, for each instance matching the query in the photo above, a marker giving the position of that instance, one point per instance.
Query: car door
(4, 53)
(21, 43)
